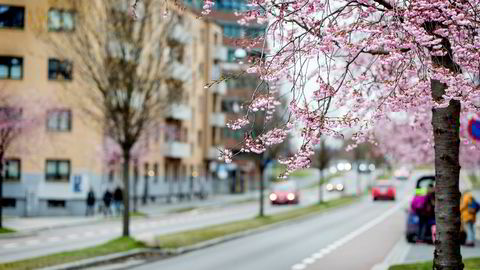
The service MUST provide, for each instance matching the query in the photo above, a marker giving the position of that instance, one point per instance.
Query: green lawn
(475, 180)
(187, 238)
(6, 230)
(118, 245)
(470, 264)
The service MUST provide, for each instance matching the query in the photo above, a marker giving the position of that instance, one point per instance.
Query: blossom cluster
(371, 59)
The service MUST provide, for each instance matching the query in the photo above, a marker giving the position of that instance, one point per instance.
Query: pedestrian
(107, 201)
(118, 200)
(90, 203)
(468, 211)
(424, 207)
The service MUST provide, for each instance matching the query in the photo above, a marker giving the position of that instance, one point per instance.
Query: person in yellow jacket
(468, 211)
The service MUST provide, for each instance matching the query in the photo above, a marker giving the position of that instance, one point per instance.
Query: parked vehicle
(285, 192)
(384, 191)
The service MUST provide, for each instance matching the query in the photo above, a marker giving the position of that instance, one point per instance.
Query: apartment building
(51, 167)
(243, 174)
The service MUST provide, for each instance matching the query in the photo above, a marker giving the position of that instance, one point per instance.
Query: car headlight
(273, 197)
(329, 187)
(339, 187)
(290, 196)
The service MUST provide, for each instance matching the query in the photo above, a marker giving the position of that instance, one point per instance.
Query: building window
(12, 169)
(232, 31)
(61, 20)
(60, 70)
(56, 203)
(255, 32)
(11, 67)
(59, 120)
(57, 170)
(12, 16)
(9, 202)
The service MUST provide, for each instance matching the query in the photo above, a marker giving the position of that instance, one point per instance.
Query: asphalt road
(70, 238)
(354, 237)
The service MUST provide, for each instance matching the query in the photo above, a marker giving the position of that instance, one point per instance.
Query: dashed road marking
(340, 242)
(33, 242)
(10, 245)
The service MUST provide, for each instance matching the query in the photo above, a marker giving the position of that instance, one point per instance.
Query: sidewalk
(26, 225)
(33, 224)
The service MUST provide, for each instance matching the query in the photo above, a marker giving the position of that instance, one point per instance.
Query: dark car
(384, 191)
(285, 192)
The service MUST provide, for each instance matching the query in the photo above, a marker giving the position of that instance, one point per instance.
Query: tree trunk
(320, 187)
(135, 185)
(145, 190)
(126, 193)
(261, 212)
(1, 190)
(446, 124)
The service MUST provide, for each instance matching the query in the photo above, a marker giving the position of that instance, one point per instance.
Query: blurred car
(335, 187)
(402, 174)
(285, 192)
(364, 167)
(384, 190)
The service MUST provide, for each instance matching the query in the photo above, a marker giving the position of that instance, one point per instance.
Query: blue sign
(474, 128)
(77, 183)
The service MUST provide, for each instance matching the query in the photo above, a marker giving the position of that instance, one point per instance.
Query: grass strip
(117, 245)
(187, 238)
(470, 264)
(6, 230)
(475, 180)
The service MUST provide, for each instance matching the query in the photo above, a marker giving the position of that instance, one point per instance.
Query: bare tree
(127, 68)
(323, 156)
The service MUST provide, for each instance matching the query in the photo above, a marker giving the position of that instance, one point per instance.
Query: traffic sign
(474, 128)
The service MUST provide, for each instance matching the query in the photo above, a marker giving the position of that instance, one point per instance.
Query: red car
(384, 191)
(284, 192)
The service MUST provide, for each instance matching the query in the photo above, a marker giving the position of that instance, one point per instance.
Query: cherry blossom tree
(371, 57)
(14, 123)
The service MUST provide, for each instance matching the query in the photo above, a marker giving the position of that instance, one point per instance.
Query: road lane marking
(54, 239)
(10, 245)
(88, 234)
(33, 242)
(340, 242)
(72, 236)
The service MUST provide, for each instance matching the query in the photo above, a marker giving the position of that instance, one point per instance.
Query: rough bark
(145, 190)
(446, 124)
(1, 189)
(126, 194)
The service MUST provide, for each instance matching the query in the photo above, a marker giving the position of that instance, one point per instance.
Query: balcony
(180, 112)
(218, 119)
(179, 34)
(178, 71)
(219, 88)
(213, 153)
(176, 149)
(219, 53)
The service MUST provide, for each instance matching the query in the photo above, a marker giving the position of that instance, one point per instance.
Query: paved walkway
(31, 224)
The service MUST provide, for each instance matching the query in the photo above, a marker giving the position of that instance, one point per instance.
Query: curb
(178, 251)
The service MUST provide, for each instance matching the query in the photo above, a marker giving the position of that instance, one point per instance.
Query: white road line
(10, 245)
(33, 242)
(340, 242)
(54, 239)
(88, 234)
(72, 236)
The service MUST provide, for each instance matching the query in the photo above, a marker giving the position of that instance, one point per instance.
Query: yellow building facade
(60, 155)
